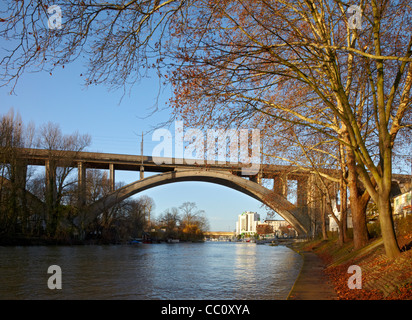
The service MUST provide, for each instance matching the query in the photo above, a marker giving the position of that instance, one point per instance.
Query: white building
(402, 203)
(333, 226)
(247, 222)
(277, 225)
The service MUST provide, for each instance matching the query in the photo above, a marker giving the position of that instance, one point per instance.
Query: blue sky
(115, 126)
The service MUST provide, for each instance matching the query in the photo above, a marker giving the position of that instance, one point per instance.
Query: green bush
(349, 233)
(333, 235)
(374, 229)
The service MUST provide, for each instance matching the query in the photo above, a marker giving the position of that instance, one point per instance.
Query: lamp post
(141, 156)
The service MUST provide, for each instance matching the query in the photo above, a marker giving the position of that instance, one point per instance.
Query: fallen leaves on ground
(382, 278)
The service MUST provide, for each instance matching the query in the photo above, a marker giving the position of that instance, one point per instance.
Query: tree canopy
(334, 76)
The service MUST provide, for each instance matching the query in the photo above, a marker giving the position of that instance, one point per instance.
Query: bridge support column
(302, 192)
(21, 175)
(51, 192)
(257, 178)
(280, 184)
(112, 181)
(81, 180)
(141, 172)
(50, 180)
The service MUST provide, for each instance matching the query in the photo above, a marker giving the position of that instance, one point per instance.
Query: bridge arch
(276, 202)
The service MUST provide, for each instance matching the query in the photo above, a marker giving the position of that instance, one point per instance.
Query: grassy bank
(382, 278)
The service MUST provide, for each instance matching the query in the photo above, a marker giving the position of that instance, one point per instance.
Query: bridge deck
(98, 160)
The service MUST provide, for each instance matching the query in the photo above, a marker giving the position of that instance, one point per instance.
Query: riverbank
(312, 283)
(326, 266)
(43, 241)
(27, 241)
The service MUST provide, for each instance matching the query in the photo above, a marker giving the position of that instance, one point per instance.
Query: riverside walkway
(312, 283)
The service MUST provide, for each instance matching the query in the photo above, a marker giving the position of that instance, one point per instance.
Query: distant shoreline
(10, 242)
(24, 241)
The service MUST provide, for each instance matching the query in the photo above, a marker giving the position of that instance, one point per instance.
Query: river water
(201, 271)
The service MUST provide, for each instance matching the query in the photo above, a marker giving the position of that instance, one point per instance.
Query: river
(201, 271)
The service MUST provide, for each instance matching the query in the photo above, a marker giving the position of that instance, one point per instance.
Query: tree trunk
(323, 216)
(50, 197)
(360, 230)
(344, 211)
(341, 233)
(388, 234)
(386, 222)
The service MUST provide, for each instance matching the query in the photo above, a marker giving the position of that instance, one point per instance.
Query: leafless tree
(300, 62)
(62, 150)
(14, 211)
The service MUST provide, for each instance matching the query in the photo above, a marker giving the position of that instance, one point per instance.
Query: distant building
(333, 226)
(247, 223)
(402, 204)
(277, 224)
(280, 226)
(264, 230)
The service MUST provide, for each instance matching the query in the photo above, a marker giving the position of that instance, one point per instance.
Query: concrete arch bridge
(178, 170)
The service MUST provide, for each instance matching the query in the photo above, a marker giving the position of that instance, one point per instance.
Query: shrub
(374, 229)
(403, 225)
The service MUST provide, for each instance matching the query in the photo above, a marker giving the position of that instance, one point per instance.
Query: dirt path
(312, 283)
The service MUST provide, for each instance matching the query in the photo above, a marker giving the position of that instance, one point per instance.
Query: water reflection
(245, 267)
(160, 271)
